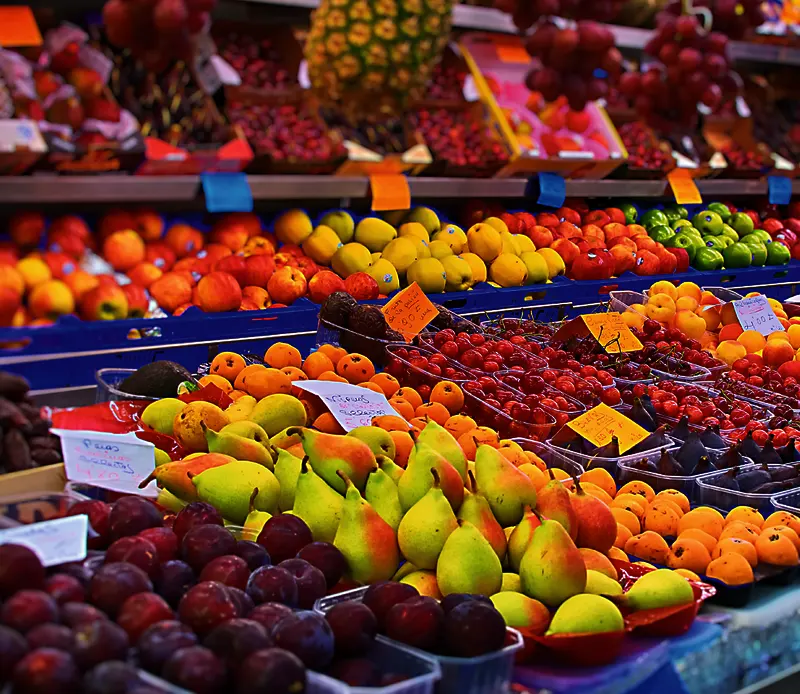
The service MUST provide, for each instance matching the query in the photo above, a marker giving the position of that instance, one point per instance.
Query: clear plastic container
(723, 294)
(108, 381)
(610, 464)
(709, 494)
(533, 361)
(409, 375)
(787, 501)
(562, 416)
(669, 370)
(622, 301)
(551, 457)
(505, 425)
(485, 674)
(35, 507)
(757, 396)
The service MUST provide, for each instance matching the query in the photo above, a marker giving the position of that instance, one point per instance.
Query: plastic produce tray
(708, 494)
(550, 456)
(486, 674)
(610, 464)
(787, 501)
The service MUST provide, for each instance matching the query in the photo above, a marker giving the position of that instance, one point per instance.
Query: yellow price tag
(683, 187)
(600, 423)
(611, 332)
(389, 192)
(409, 311)
(18, 27)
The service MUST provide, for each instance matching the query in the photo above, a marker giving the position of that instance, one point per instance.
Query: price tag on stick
(18, 27)
(779, 190)
(409, 311)
(552, 189)
(600, 423)
(389, 192)
(755, 313)
(683, 187)
(227, 192)
(351, 406)
(611, 332)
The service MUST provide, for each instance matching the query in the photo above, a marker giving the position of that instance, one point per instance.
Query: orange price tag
(389, 192)
(683, 187)
(409, 311)
(18, 28)
(600, 423)
(611, 332)
(512, 53)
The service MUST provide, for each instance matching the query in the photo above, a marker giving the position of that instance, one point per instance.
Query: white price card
(111, 461)
(755, 313)
(351, 406)
(55, 541)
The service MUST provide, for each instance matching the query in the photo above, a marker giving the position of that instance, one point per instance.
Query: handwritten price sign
(55, 542)
(409, 311)
(350, 405)
(611, 332)
(755, 313)
(111, 461)
(601, 423)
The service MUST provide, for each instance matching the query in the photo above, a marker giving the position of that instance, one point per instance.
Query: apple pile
(156, 32)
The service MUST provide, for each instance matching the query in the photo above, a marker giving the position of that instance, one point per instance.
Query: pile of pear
(443, 524)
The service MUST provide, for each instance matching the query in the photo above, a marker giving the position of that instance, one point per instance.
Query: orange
(369, 385)
(294, 373)
(640, 488)
(264, 382)
(784, 530)
(470, 441)
(331, 376)
(282, 354)
(317, 363)
(403, 407)
(740, 530)
(356, 368)
(448, 394)
(664, 502)
(327, 423)
(411, 395)
(689, 554)
(704, 520)
(222, 383)
(247, 371)
(459, 424)
(731, 568)
(783, 518)
(745, 514)
(662, 520)
(387, 383)
(776, 548)
(333, 352)
(734, 544)
(228, 365)
(435, 411)
(678, 498)
(403, 443)
(752, 340)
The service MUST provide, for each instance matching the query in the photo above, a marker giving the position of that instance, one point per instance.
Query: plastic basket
(709, 494)
(410, 375)
(533, 361)
(486, 674)
(787, 501)
(505, 425)
(562, 416)
(696, 372)
(35, 507)
(756, 395)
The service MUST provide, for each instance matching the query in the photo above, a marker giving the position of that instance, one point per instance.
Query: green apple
(681, 223)
(737, 255)
(757, 247)
(721, 209)
(742, 223)
(778, 254)
(660, 233)
(718, 242)
(685, 241)
(630, 212)
(653, 218)
(708, 223)
(730, 232)
(708, 259)
(763, 235)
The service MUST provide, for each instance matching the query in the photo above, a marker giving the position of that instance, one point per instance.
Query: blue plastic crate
(67, 354)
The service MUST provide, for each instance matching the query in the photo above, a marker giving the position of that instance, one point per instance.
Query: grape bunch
(734, 18)
(525, 13)
(577, 62)
(156, 31)
(693, 69)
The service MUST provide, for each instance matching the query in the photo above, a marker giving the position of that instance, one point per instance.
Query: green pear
(367, 542)
(476, 510)
(552, 568)
(521, 538)
(255, 519)
(512, 583)
(468, 564)
(162, 457)
(341, 222)
(317, 504)
(228, 489)
(554, 503)
(381, 492)
(600, 584)
(237, 447)
(660, 588)
(417, 478)
(406, 569)
(378, 440)
(284, 440)
(276, 412)
(241, 410)
(426, 527)
(330, 453)
(248, 429)
(442, 441)
(166, 499)
(287, 472)
(506, 489)
(520, 611)
(588, 614)
(390, 468)
(160, 414)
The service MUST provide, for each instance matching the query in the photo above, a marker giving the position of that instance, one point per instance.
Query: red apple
(287, 284)
(792, 224)
(541, 236)
(138, 300)
(566, 249)
(527, 221)
(257, 296)
(161, 255)
(548, 219)
(647, 263)
(682, 257)
(597, 217)
(569, 215)
(568, 230)
(361, 286)
(258, 269)
(786, 237)
(26, 228)
(624, 259)
(514, 223)
(235, 266)
(104, 302)
(615, 215)
(772, 226)
(218, 292)
(323, 284)
(307, 266)
(667, 263)
(593, 265)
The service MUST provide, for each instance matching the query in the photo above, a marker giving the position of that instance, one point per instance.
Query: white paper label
(55, 542)
(111, 461)
(225, 72)
(351, 406)
(755, 313)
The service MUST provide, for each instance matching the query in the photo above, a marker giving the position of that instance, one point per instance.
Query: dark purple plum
(206, 542)
(474, 628)
(197, 669)
(165, 542)
(141, 611)
(20, 568)
(75, 613)
(51, 636)
(64, 588)
(272, 584)
(356, 672)
(418, 622)
(46, 671)
(456, 599)
(382, 597)
(354, 627)
(205, 606)
(327, 559)
(13, 648)
(194, 514)
(229, 569)
(236, 639)
(130, 515)
(28, 609)
(112, 677)
(270, 613)
(272, 670)
(253, 553)
(284, 536)
(176, 578)
(98, 513)
(244, 603)
(160, 641)
(137, 551)
(311, 585)
(308, 636)
(98, 642)
(113, 584)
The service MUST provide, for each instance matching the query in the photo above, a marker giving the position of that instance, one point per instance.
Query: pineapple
(377, 53)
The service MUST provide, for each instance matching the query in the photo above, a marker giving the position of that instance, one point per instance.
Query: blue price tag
(780, 190)
(227, 192)
(552, 189)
